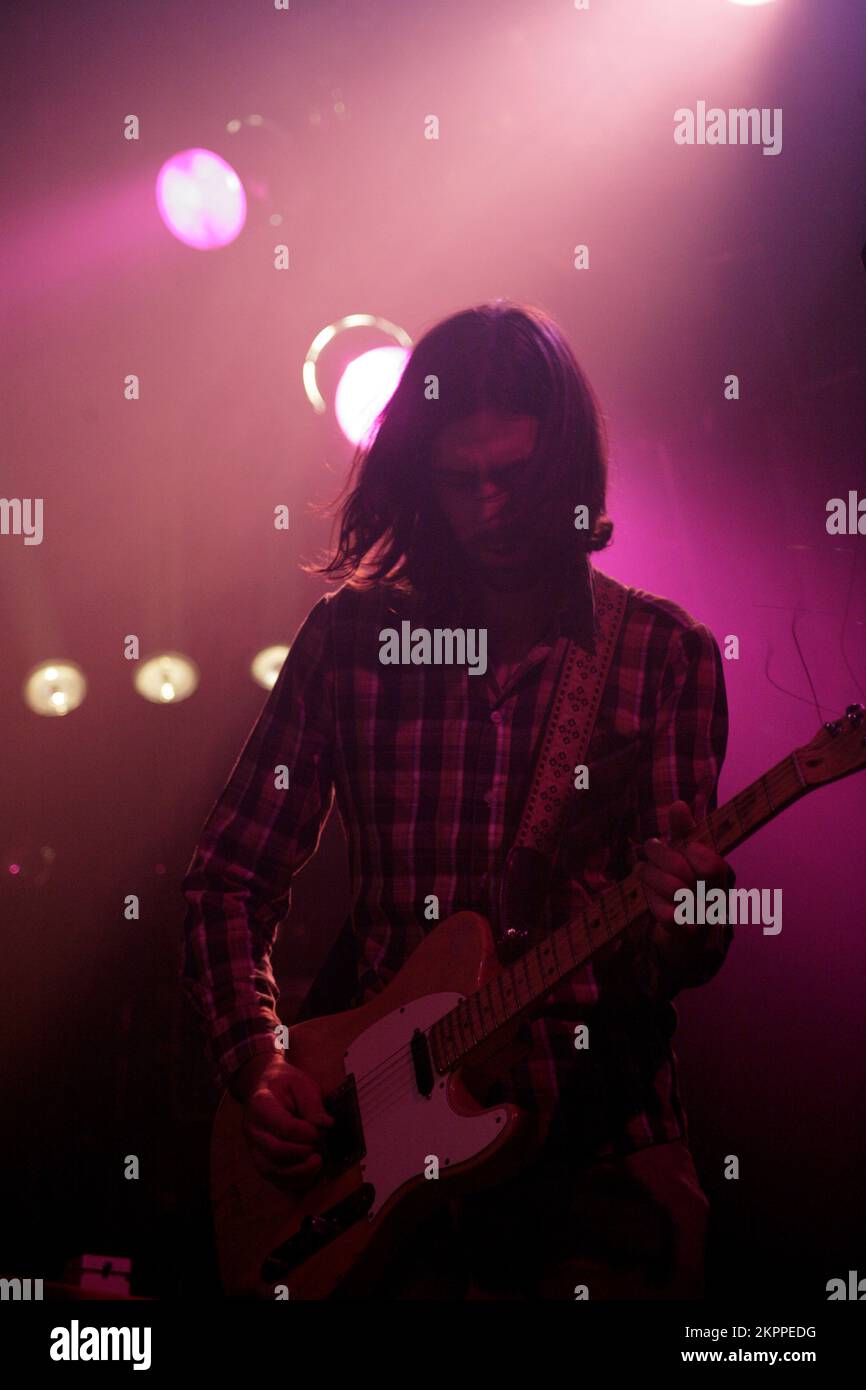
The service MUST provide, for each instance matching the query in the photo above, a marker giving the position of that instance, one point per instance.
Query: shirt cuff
(246, 1039)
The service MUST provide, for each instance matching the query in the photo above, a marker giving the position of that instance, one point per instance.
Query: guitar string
(368, 1082)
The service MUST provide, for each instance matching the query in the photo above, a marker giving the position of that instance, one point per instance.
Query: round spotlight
(365, 388)
(201, 199)
(166, 679)
(55, 687)
(267, 664)
(332, 331)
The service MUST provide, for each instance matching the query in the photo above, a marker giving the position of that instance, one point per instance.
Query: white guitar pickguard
(403, 1129)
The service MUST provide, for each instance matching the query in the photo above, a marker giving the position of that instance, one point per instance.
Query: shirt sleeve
(682, 762)
(263, 828)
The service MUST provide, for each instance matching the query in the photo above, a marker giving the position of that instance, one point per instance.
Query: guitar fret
(505, 1005)
(490, 1006)
(475, 1018)
(483, 1004)
(482, 1032)
(531, 959)
(548, 949)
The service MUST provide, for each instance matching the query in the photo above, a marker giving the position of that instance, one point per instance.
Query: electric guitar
(400, 1074)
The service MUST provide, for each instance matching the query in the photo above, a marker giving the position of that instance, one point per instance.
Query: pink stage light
(750, 2)
(201, 199)
(365, 388)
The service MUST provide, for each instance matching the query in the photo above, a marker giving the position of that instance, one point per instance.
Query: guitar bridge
(315, 1232)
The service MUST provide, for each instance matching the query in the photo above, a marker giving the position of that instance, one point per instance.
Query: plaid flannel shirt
(430, 769)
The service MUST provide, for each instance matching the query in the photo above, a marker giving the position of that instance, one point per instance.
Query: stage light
(166, 679)
(267, 664)
(366, 386)
(201, 199)
(29, 861)
(750, 3)
(327, 335)
(55, 687)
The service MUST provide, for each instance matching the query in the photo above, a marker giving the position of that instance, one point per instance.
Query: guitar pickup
(420, 1053)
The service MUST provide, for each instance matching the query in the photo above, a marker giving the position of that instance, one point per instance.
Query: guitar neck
(519, 988)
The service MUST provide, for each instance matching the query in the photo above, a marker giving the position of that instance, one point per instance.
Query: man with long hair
(462, 513)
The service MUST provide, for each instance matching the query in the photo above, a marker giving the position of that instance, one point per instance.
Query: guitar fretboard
(520, 987)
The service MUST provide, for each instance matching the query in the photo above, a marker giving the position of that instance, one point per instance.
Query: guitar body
(372, 1189)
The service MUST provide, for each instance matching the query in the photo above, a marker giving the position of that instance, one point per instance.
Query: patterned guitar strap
(570, 722)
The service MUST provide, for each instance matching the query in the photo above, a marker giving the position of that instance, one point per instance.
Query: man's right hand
(283, 1114)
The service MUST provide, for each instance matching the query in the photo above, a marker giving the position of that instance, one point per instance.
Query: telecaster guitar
(400, 1074)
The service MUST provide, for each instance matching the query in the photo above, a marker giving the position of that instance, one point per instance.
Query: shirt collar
(575, 611)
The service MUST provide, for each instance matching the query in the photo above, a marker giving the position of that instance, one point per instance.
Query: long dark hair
(507, 357)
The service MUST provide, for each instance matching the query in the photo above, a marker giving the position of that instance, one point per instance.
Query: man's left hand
(668, 869)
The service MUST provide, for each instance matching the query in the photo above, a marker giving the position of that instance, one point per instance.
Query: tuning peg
(855, 715)
(834, 728)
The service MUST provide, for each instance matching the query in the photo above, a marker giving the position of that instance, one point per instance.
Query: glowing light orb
(365, 388)
(329, 334)
(750, 2)
(26, 861)
(201, 199)
(55, 687)
(267, 664)
(166, 679)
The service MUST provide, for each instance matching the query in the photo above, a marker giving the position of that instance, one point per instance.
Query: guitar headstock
(838, 749)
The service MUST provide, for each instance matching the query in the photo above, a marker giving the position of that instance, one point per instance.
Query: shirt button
(496, 717)
(488, 797)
